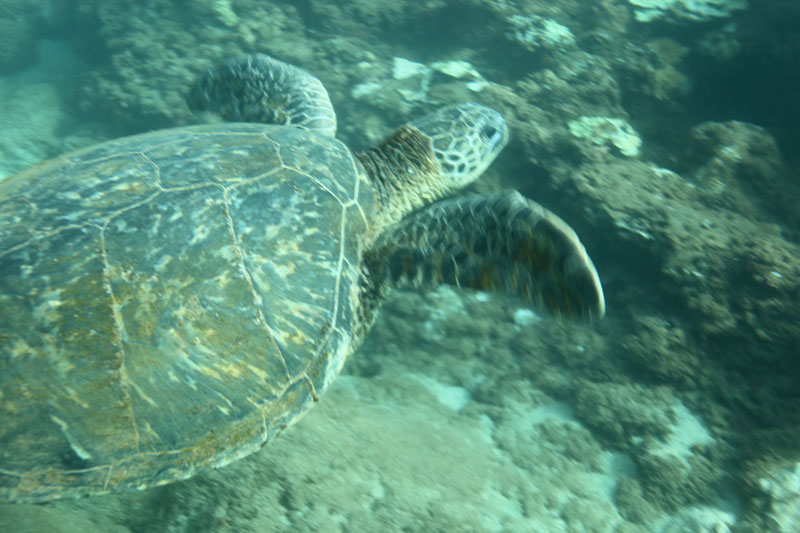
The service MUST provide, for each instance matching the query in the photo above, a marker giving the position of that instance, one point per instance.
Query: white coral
(605, 130)
(686, 9)
(783, 487)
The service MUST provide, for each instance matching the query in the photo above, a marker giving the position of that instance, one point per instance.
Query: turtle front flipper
(497, 242)
(259, 88)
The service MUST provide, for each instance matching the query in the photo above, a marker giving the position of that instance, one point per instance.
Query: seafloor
(664, 131)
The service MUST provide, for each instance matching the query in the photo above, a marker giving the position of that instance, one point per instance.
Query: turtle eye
(488, 132)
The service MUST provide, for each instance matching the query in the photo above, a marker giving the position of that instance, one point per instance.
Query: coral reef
(659, 129)
(19, 26)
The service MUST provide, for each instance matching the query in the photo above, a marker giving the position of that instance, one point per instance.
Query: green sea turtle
(169, 302)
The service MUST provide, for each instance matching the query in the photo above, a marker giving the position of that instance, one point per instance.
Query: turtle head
(431, 157)
(466, 138)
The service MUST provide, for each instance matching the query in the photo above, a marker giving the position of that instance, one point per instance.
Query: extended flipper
(260, 88)
(498, 242)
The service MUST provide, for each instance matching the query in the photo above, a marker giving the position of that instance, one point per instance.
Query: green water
(665, 136)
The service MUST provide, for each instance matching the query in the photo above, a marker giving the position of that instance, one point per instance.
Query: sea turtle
(169, 302)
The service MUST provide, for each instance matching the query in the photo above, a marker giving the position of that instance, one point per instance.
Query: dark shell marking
(171, 301)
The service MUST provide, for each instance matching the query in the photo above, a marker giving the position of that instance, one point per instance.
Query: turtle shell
(171, 301)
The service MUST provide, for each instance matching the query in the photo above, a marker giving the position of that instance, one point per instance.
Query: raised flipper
(498, 242)
(259, 88)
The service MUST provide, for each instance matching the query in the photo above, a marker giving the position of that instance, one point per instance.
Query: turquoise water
(663, 132)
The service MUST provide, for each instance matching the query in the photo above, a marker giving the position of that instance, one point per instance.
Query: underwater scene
(613, 348)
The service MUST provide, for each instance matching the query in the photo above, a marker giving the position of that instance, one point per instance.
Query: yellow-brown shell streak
(171, 301)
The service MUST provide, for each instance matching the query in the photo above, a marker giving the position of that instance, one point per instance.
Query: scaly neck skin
(404, 174)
